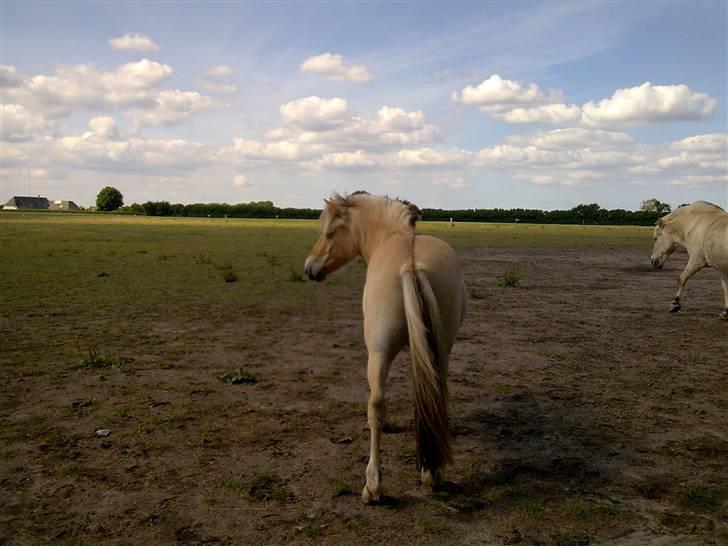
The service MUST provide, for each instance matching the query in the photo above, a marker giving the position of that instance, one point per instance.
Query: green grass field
(65, 280)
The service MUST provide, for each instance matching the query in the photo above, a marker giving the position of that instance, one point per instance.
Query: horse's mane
(397, 211)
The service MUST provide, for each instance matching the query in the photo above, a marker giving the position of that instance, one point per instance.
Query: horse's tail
(429, 370)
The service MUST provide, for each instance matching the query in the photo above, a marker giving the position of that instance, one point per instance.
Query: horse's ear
(661, 223)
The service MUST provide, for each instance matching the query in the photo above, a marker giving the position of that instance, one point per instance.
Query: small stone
(103, 432)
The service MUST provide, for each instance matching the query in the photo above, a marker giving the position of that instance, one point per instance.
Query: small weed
(73, 469)
(356, 523)
(436, 528)
(339, 488)
(577, 511)
(238, 376)
(158, 446)
(94, 360)
(510, 278)
(313, 529)
(227, 272)
(529, 507)
(475, 295)
(201, 259)
(702, 496)
(569, 538)
(262, 488)
(295, 276)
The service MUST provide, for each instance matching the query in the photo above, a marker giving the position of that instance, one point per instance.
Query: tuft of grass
(261, 488)
(93, 360)
(236, 377)
(227, 272)
(339, 488)
(563, 537)
(313, 529)
(295, 276)
(436, 528)
(201, 259)
(510, 278)
(701, 496)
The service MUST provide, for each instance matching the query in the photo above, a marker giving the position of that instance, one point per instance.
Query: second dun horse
(414, 295)
(702, 229)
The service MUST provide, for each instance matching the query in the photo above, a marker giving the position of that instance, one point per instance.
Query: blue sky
(449, 104)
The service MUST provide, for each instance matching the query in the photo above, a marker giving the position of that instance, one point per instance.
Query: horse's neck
(372, 231)
(686, 225)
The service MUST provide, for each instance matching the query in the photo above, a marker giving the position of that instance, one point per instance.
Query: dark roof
(28, 202)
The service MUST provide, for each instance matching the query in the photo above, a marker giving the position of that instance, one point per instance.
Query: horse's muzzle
(314, 269)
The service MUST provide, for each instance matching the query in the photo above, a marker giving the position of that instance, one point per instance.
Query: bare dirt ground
(582, 412)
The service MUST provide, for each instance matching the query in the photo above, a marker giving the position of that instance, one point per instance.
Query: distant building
(18, 202)
(63, 205)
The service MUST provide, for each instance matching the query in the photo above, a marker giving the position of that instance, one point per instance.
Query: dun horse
(414, 295)
(702, 229)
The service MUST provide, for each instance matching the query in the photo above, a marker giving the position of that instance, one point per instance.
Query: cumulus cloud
(324, 132)
(19, 124)
(514, 102)
(499, 95)
(132, 88)
(171, 107)
(332, 67)
(219, 71)
(10, 77)
(650, 103)
(315, 113)
(134, 41)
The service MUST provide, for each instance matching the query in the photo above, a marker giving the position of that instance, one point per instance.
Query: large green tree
(109, 199)
(655, 206)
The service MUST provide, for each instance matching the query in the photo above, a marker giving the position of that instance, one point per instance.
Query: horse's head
(336, 245)
(665, 244)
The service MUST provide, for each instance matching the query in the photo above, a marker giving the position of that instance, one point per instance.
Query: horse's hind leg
(724, 283)
(691, 269)
(377, 372)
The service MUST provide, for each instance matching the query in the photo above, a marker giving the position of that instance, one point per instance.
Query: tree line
(592, 213)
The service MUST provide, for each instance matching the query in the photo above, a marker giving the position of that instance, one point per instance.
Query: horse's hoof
(723, 315)
(430, 479)
(674, 307)
(368, 497)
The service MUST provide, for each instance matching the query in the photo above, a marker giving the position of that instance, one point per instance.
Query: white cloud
(571, 138)
(252, 149)
(219, 71)
(716, 142)
(18, 124)
(514, 102)
(548, 113)
(315, 113)
(649, 103)
(132, 88)
(240, 180)
(498, 95)
(9, 76)
(104, 127)
(171, 107)
(134, 41)
(332, 67)
(347, 160)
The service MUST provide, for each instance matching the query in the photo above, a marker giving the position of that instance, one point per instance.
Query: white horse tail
(429, 371)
